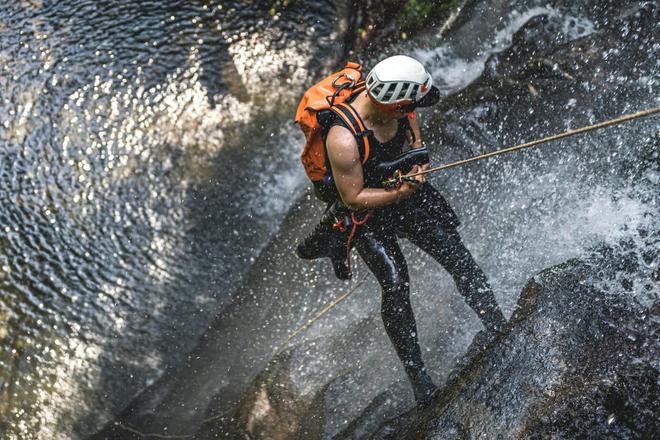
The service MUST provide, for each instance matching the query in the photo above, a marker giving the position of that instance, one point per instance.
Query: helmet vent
(410, 91)
(388, 94)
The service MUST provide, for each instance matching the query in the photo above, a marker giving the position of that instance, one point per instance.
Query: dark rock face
(579, 359)
(551, 74)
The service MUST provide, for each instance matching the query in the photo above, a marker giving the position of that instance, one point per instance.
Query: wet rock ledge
(579, 359)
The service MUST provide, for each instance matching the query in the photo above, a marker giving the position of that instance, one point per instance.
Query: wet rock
(579, 359)
(556, 69)
(314, 388)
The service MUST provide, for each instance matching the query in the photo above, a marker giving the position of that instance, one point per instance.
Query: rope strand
(325, 310)
(533, 143)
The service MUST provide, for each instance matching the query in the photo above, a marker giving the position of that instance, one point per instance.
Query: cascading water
(144, 164)
(521, 213)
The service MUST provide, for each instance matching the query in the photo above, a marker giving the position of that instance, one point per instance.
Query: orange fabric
(318, 98)
(362, 128)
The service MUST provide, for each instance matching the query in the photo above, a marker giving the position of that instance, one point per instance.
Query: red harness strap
(341, 226)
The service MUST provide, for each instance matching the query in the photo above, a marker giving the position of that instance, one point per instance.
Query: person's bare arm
(347, 172)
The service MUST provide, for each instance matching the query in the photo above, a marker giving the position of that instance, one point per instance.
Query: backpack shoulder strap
(354, 123)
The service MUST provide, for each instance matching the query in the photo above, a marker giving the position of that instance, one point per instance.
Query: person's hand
(408, 187)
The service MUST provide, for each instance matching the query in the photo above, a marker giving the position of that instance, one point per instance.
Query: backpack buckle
(342, 86)
(345, 85)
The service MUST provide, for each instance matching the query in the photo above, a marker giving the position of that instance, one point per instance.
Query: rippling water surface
(135, 183)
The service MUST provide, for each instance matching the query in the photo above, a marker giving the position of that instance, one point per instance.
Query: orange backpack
(330, 94)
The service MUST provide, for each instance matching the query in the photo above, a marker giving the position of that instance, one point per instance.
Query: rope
(555, 137)
(325, 310)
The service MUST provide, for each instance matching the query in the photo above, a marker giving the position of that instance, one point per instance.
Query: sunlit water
(137, 186)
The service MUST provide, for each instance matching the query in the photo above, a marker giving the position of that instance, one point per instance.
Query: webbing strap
(356, 222)
(354, 122)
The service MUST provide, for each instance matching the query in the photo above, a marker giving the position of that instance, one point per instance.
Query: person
(414, 210)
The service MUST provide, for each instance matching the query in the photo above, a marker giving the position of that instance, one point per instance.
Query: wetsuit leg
(447, 248)
(382, 254)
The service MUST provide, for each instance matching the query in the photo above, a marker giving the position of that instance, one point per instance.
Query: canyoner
(359, 133)
(381, 194)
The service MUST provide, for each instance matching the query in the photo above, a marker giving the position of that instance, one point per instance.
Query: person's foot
(315, 245)
(341, 265)
(423, 388)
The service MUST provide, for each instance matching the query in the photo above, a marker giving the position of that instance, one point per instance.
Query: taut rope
(536, 142)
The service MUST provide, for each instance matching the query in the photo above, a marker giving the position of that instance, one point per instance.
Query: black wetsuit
(427, 221)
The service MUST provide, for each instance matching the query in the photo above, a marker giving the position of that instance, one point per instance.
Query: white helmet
(402, 80)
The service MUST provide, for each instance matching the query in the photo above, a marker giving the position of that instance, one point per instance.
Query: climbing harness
(400, 178)
(353, 222)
